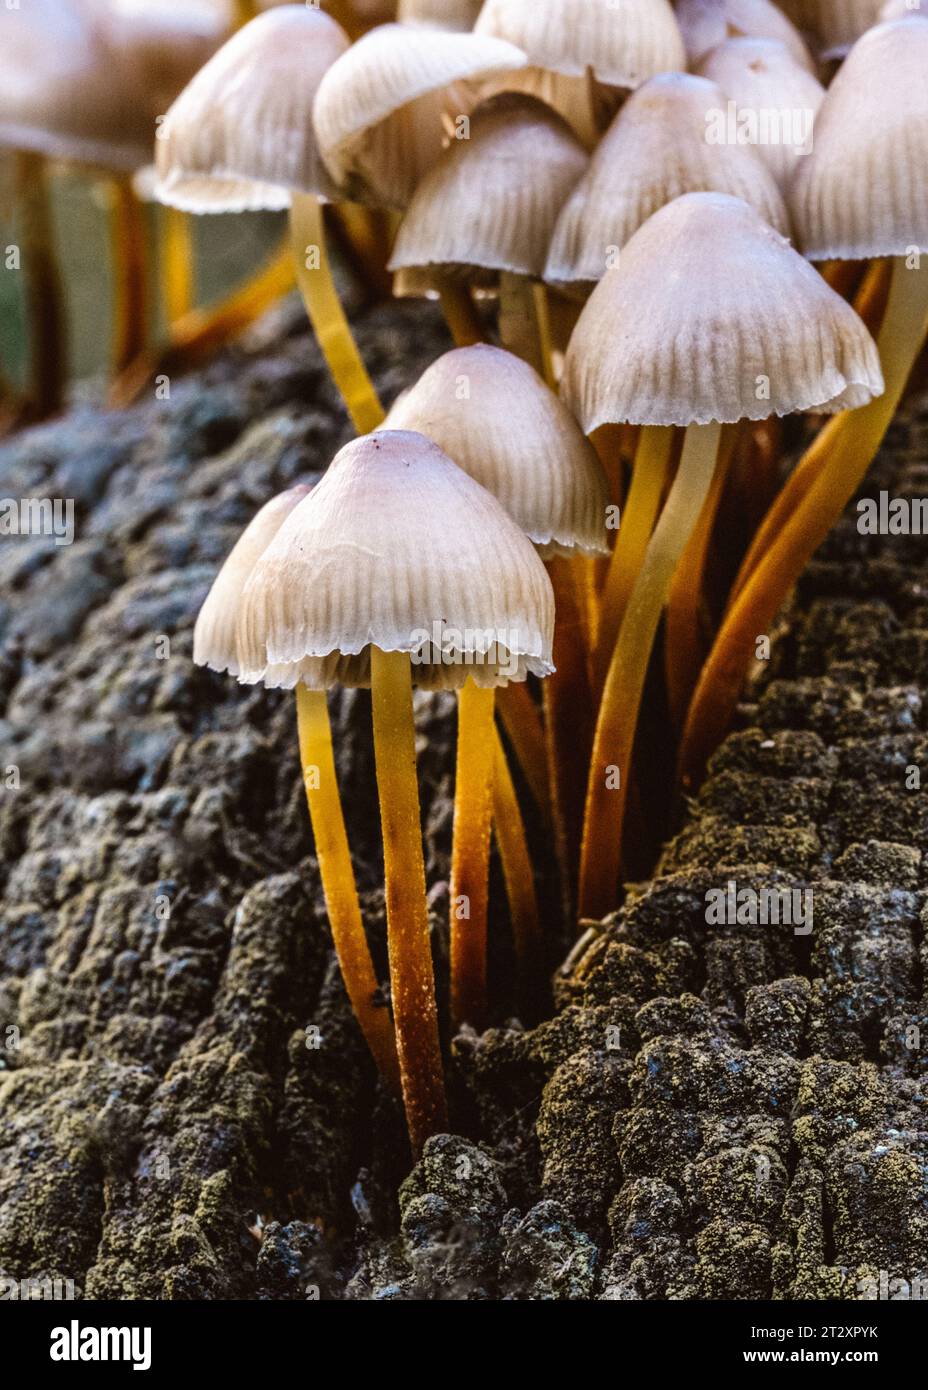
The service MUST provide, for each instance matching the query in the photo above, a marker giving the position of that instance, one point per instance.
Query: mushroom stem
(129, 243)
(519, 328)
(338, 883)
(519, 877)
(844, 450)
(411, 975)
(470, 854)
(610, 765)
(523, 726)
(687, 634)
(567, 701)
(177, 264)
(42, 280)
(314, 277)
(460, 315)
(649, 478)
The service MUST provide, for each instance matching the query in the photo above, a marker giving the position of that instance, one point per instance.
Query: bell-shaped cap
(707, 23)
(863, 191)
(398, 548)
(65, 91)
(491, 202)
(240, 135)
(459, 15)
(776, 99)
(386, 109)
(623, 42)
(712, 316)
(492, 413)
(659, 147)
(214, 633)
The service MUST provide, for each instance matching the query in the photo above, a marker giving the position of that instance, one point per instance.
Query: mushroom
(440, 14)
(657, 149)
(398, 567)
(583, 53)
(711, 318)
(240, 136)
(476, 218)
(707, 23)
(387, 108)
(214, 646)
(492, 414)
(835, 25)
(861, 193)
(764, 81)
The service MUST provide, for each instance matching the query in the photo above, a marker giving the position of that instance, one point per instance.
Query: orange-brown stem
(519, 877)
(129, 241)
(470, 854)
(42, 286)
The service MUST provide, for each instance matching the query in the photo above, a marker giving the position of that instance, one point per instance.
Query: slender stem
(177, 264)
(518, 320)
(199, 334)
(853, 439)
(610, 765)
(129, 241)
(525, 731)
(42, 281)
(412, 978)
(567, 702)
(649, 478)
(686, 636)
(470, 854)
(518, 875)
(314, 277)
(338, 884)
(460, 315)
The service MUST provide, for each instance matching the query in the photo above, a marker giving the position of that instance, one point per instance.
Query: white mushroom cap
(492, 413)
(397, 548)
(623, 43)
(384, 111)
(479, 208)
(214, 633)
(903, 9)
(707, 23)
(712, 316)
(761, 77)
(863, 191)
(240, 135)
(656, 149)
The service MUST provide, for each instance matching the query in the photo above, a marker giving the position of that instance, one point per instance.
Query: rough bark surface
(186, 1109)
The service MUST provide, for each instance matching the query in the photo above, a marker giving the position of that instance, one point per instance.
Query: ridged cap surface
(711, 315)
(863, 191)
(492, 413)
(383, 112)
(655, 150)
(395, 544)
(240, 135)
(478, 208)
(623, 42)
(706, 23)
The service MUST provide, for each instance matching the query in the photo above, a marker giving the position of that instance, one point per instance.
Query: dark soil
(187, 1110)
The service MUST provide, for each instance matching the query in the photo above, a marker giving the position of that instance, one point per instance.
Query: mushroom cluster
(662, 236)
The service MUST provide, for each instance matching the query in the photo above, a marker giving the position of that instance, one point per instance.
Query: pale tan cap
(775, 96)
(398, 548)
(240, 135)
(64, 91)
(622, 42)
(492, 413)
(863, 191)
(214, 633)
(712, 316)
(386, 109)
(656, 149)
(707, 23)
(478, 209)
